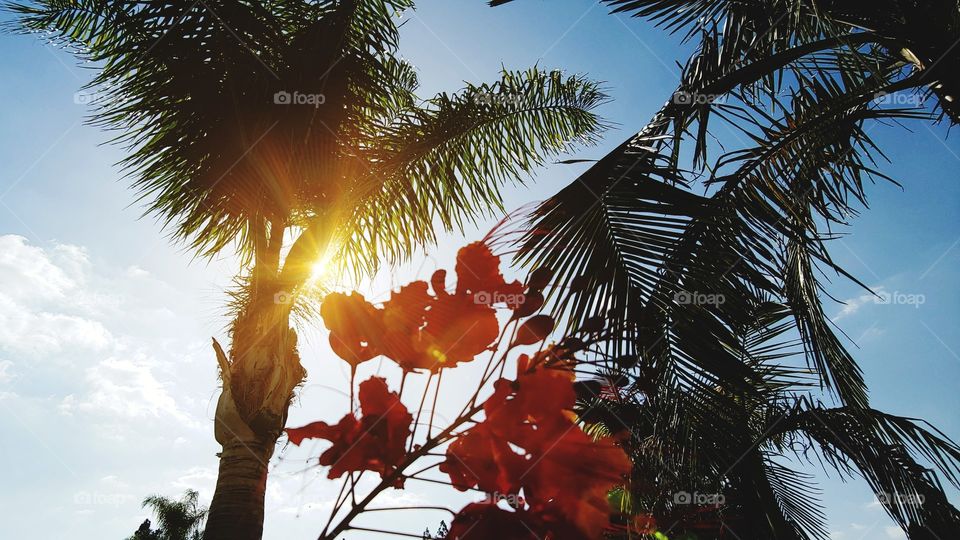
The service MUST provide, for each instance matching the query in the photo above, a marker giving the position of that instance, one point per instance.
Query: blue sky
(107, 383)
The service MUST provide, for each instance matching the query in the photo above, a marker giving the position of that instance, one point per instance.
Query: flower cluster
(419, 330)
(529, 444)
(545, 477)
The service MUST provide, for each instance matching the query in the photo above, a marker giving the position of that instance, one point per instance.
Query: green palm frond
(884, 449)
(444, 163)
(710, 440)
(798, 500)
(643, 239)
(919, 34)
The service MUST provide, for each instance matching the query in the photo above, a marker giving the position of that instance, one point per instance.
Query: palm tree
(707, 459)
(799, 84)
(178, 519)
(641, 237)
(289, 132)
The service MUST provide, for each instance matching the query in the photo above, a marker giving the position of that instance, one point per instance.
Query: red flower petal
(457, 330)
(315, 430)
(539, 278)
(478, 271)
(403, 318)
(529, 442)
(482, 460)
(375, 442)
(354, 326)
(482, 521)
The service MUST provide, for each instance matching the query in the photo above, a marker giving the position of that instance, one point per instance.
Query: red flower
(478, 275)
(573, 476)
(457, 329)
(375, 442)
(419, 330)
(530, 442)
(482, 521)
(354, 325)
(480, 458)
(532, 409)
(534, 329)
(403, 318)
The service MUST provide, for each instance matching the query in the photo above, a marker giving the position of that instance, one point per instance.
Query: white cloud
(55, 314)
(43, 307)
(67, 405)
(852, 305)
(870, 334)
(127, 387)
(29, 273)
(306, 508)
(113, 482)
(37, 334)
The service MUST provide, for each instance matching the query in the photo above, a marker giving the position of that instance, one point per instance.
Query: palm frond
(444, 163)
(884, 449)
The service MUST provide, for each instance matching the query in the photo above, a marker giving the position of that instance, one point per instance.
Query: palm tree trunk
(237, 508)
(259, 379)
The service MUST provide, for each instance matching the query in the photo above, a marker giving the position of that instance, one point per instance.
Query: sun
(317, 271)
(322, 270)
